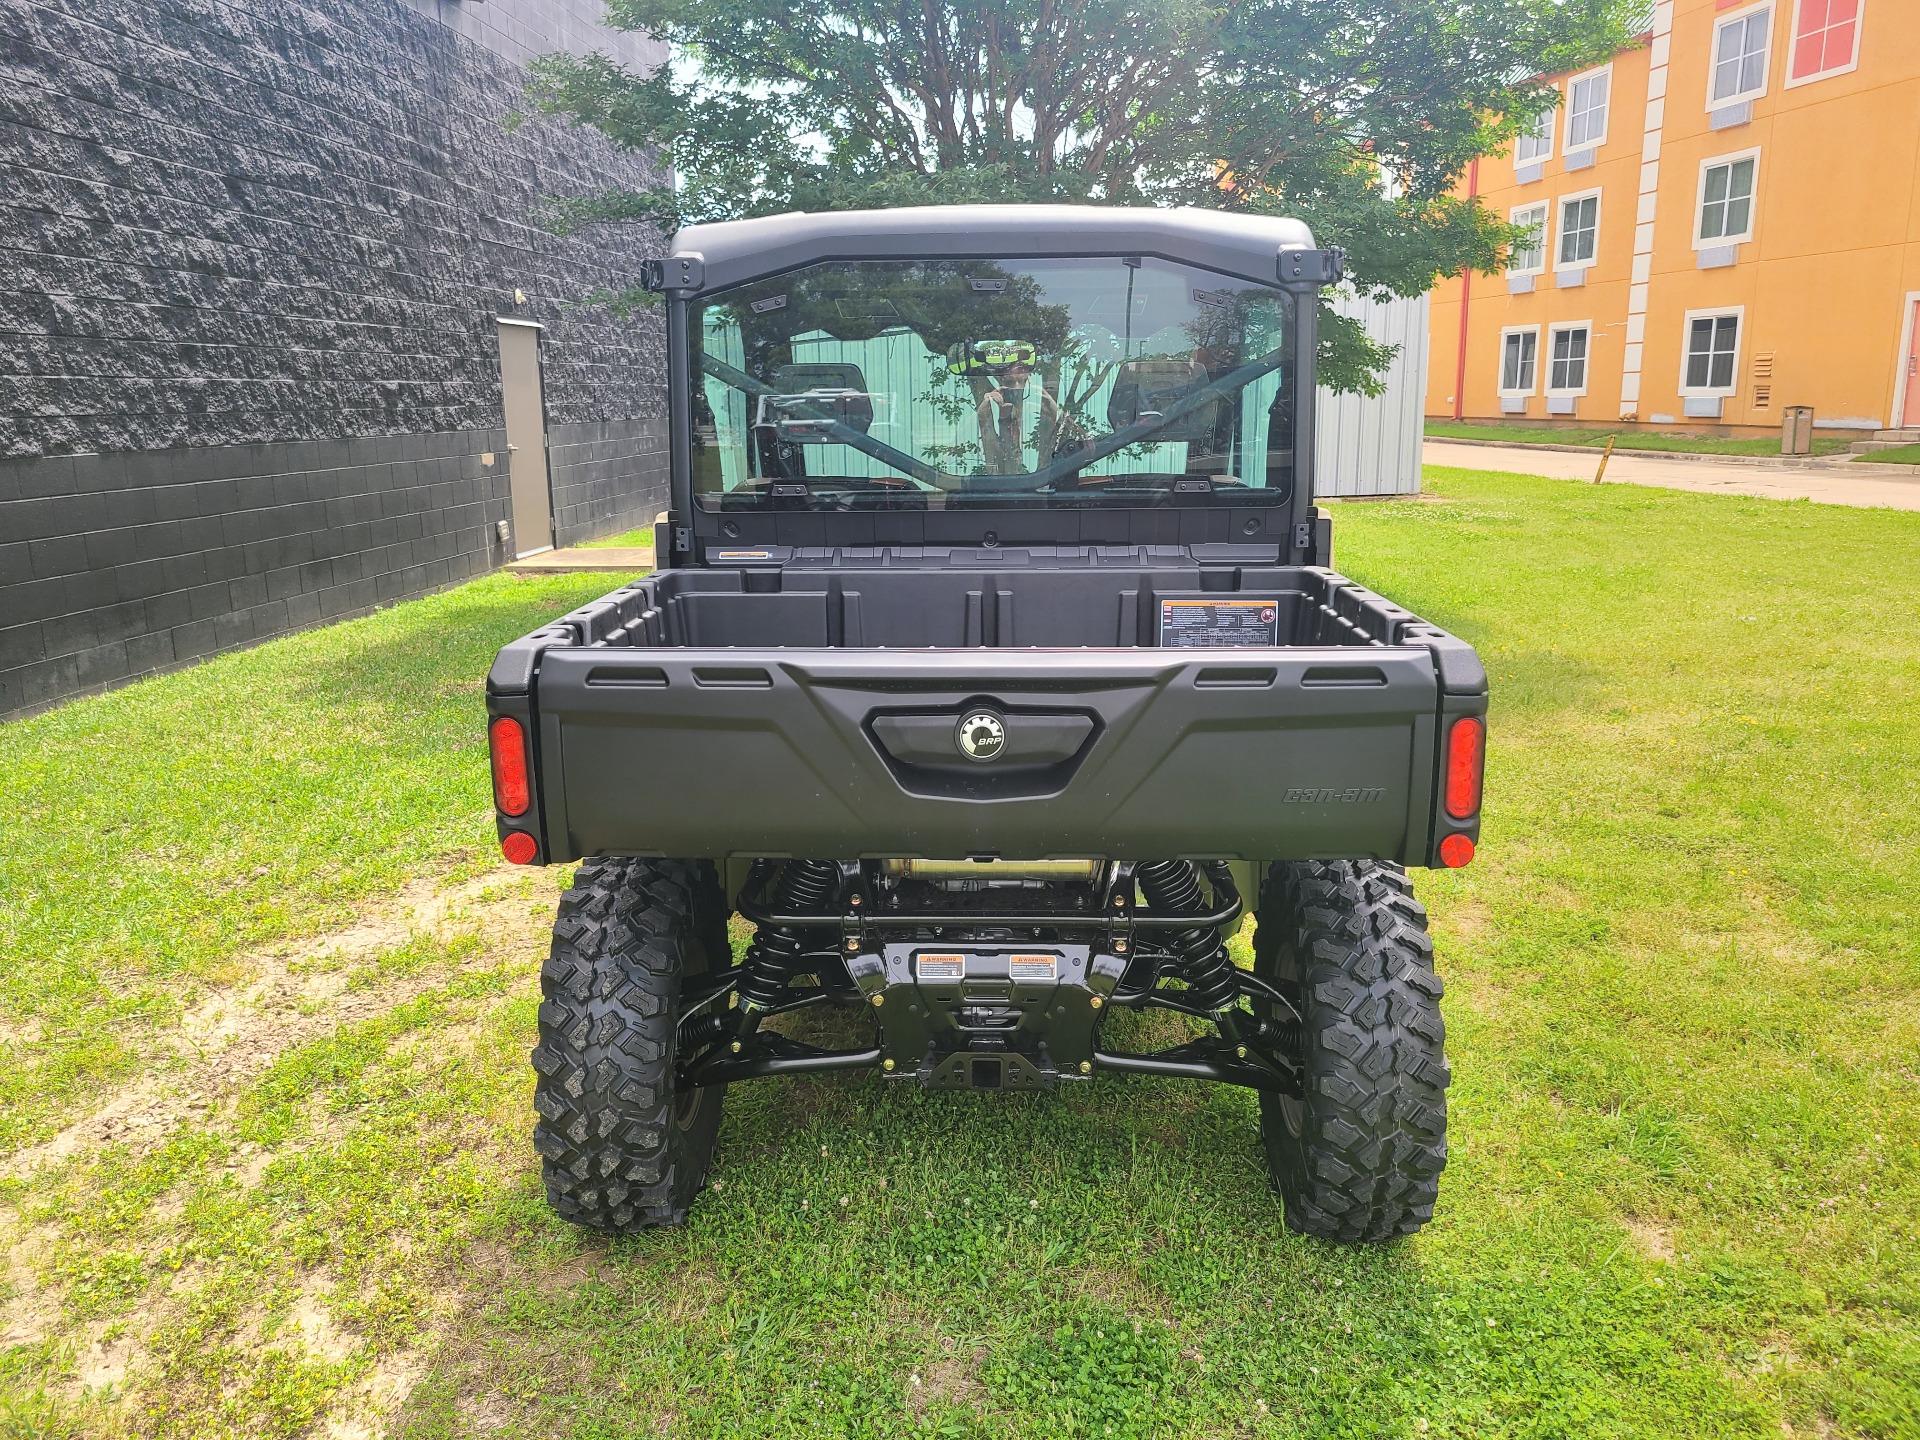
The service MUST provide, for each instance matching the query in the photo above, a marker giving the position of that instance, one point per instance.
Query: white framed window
(1528, 257)
(1741, 43)
(1710, 351)
(1567, 347)
(1826, 39)
(1534, 145)
(1724, 214)
(1587, 103)
(1579, 230)
(1519, 360)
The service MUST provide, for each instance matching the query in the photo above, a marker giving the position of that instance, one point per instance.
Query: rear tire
(621, 1150)
(1358, 1156)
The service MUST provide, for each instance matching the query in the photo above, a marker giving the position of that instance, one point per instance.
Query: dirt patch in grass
(503, 1380)
(1464, 923)
(1121, 1291)
(364, 1411)
(106, 1360)
(590, 1265)
(269, 1095)
(486, 1414)
(22, 1035)
(952, 1380)
(312, 1321)
(31, 1311)
(294, 995)
(1652, 1240)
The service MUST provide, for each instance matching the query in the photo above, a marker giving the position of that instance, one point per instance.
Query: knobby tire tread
(1350, 941)
(626, 935)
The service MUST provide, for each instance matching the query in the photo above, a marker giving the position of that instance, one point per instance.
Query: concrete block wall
(118, 566)
(591, 466)
(252, 257)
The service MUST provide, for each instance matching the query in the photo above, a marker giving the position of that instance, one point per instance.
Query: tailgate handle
(1030, 739)
(1337, 676)
(745, 677)
(1234, 677)
(650, 677)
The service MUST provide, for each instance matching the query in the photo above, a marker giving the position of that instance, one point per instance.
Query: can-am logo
(1350, 796)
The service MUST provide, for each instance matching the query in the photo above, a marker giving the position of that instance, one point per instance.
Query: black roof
(732, 252)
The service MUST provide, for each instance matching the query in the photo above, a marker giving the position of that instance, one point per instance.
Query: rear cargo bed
(812, 712)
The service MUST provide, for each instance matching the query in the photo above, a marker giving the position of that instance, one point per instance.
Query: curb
(1820, 466)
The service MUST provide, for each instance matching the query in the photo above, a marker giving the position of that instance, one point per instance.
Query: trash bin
(1796, 430)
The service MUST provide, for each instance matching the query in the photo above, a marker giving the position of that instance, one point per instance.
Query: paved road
(1829, 487)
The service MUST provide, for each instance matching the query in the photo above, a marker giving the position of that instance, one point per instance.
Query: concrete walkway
(614, 559)
(1894, 488)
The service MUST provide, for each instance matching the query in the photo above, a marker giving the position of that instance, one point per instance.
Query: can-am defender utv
(992, 665)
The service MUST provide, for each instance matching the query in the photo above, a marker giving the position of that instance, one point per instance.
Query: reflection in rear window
(902, 384)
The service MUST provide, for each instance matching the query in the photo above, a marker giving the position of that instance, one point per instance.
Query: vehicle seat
(855, 411)
(1145, 388)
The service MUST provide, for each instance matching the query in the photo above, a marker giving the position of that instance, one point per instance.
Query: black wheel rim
(688, 1100)
(687, 1103)
(1280, 968)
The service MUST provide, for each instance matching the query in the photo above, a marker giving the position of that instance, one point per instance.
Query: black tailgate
(1251, 754)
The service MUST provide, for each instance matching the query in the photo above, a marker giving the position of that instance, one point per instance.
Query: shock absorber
(774, 957)
(1173, 887)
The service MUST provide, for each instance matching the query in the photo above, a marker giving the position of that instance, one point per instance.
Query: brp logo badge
(982, 735)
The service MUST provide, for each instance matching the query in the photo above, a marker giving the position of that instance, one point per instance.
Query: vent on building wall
(1762, 396)
(1763, 365)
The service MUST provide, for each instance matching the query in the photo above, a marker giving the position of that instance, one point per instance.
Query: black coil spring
(805, 884)
(1173, 887)
(774, 957)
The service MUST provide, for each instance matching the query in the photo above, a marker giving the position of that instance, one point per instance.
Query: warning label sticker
(1218, 624)
(939, 967)
(1033, 969)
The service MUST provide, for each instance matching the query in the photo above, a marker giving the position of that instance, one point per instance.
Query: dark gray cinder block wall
(252, 255)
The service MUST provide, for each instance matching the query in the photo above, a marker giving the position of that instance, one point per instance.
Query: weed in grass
(1105, 1375)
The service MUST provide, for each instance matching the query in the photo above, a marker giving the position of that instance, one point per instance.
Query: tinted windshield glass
(891, 384)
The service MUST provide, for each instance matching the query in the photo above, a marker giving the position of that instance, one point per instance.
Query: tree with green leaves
(1358, 116)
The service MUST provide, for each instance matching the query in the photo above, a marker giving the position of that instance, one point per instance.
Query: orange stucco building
(1727, 223)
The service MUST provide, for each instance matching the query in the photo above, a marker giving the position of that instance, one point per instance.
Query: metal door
(526, 437)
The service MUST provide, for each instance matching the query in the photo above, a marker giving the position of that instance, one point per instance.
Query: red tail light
(508, 742)
(1466, 766)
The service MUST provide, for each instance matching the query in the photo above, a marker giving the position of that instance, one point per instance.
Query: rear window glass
(938, 384)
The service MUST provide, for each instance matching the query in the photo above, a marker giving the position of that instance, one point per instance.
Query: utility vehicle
(993, 663)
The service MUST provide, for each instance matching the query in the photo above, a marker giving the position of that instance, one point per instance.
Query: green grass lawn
(158, 833)
(1896, 455)
(1684, 1020)
(1623, 439)
(641, 537)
